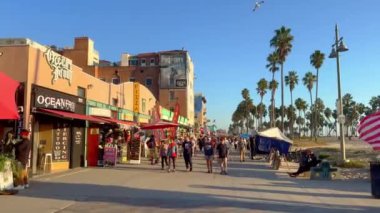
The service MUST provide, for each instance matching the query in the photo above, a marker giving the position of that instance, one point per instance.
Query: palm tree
(299, 107)
(308, 81)
(291, 80)
(273, 85)
(261, 89)
(316, 59)
(282, 42)
(272, 60)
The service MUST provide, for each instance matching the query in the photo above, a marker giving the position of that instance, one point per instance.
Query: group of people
(18, 149)
(169, 150)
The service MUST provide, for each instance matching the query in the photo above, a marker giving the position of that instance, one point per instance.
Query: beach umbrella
(369, 130)
(8, 107)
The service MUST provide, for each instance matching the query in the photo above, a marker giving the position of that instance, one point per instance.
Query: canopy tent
(273, 138)
(159, 125)
(8, 106)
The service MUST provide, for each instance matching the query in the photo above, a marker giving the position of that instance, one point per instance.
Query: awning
(70, 115)
(116, 121)
(8, 107)
(159, 125)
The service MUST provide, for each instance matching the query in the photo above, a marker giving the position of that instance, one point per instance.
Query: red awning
(116, 121)
(159, 125)
(8, 107)
(70, 115)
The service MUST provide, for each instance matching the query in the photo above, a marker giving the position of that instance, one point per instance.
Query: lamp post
(337, 47)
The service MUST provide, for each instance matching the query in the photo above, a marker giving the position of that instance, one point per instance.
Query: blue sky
(227, 41)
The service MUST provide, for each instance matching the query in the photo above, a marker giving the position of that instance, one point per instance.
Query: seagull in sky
(257, 5)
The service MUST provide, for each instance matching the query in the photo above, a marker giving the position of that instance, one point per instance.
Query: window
(171, 95)
(133, 62)
(148, 82)
(81, 92)
(143, 105)
(152, 62)
(132, 79)
(116, 80)
(143, 62)
(115, 101)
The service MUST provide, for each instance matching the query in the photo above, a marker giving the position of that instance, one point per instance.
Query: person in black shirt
(223, 154)
(188, 153)
(22, 150)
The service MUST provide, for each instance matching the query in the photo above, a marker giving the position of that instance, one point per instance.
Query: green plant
(16, 170)
(3, 159)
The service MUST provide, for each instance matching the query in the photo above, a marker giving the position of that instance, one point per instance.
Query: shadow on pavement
(136, 198)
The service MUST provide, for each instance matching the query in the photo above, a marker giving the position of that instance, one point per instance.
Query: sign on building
(60, 65)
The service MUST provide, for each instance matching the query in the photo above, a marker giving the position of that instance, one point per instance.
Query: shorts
(209, 157)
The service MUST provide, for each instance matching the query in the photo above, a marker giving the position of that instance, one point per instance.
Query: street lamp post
(337, 47)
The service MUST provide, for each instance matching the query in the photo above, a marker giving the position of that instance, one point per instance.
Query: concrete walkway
(249, 187)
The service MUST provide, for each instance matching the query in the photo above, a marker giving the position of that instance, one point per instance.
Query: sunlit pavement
(249, 187)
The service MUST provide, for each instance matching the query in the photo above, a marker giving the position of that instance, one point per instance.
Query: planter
(6, 176)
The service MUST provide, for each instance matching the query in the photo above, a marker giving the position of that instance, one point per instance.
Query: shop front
(59, 130)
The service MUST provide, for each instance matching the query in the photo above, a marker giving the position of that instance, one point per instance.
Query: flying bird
(257, 5)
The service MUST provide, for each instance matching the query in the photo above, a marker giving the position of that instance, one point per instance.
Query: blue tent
(273, 138)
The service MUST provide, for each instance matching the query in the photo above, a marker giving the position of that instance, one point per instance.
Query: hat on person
(24, 132)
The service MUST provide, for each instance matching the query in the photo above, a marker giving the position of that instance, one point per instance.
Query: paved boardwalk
(249, 187)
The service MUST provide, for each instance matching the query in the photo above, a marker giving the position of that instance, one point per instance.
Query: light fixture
(342, 47)
(333, 53)
(90, 86)
(1, 53)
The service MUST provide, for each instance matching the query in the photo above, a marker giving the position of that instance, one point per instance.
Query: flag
(369, 130)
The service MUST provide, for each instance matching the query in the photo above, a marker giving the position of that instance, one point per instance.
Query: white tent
(275, 133)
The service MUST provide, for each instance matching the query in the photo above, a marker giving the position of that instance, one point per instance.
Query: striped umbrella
(369, 130)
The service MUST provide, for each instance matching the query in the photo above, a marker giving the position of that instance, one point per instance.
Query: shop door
(76, 157)
(92, 146)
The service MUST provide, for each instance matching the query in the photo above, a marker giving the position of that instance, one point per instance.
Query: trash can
(375, 178)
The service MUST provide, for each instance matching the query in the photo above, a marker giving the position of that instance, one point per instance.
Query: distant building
(169, 75)
(200, 112)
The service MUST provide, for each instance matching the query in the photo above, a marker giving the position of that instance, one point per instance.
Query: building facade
(169, 75)
(200, 113)
(64, 106)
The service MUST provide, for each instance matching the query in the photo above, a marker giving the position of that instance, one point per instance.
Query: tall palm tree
(291, 80)
(316, 59)
(272, 60)
(308, 81)
(282, 42)
(273, 85)
(261, 89)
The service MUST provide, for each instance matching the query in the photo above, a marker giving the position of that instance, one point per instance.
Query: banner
(136, 97)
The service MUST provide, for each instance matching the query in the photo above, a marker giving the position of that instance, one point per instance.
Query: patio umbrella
(159, 125)
(8, 108)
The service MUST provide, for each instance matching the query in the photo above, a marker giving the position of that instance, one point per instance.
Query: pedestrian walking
(22, 150)
(164, 154)
(252, 146)
(152, 145)
(223, 154)
(187, 147)
(209, 154)
(242, 147)
(172, 154)
(235, 143)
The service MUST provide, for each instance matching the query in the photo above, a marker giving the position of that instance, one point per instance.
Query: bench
(324, 172)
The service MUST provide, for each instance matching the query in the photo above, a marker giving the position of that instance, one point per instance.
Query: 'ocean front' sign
(60, 65)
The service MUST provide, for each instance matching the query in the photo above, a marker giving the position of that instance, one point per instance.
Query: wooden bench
(324, 172)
